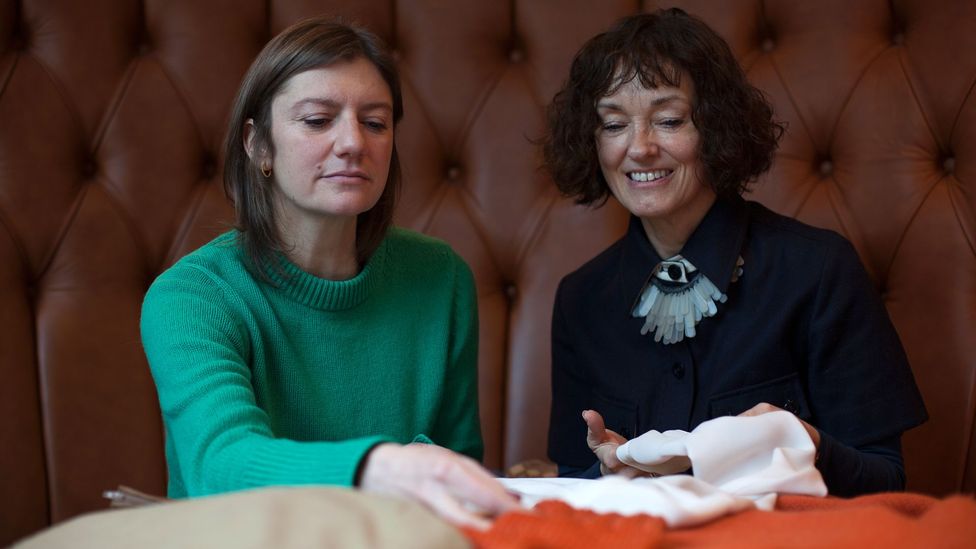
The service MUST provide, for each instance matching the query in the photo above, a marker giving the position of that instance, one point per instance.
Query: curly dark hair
(308, 44)
(738, 133)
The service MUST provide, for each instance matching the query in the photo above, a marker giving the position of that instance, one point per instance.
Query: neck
(668, 235)
(326, 248)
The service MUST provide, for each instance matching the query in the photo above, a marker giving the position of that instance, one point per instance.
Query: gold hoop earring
(265, 170)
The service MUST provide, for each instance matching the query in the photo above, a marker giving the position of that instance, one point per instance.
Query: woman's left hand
(765, 408)
(604, 442)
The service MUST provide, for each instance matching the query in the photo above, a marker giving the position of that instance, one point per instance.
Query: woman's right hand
(453, 486)
(604, 443)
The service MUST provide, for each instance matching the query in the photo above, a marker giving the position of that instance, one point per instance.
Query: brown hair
(306, 45)
(738, 132)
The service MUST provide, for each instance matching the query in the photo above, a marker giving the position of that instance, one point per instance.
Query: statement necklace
(676, 297)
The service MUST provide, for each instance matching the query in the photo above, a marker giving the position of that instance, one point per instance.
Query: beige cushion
(283, 518)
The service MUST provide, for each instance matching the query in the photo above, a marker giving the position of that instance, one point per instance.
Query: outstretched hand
(453, 486)
(604, 442)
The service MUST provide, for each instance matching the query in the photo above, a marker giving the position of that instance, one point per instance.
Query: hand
(765, 408)
(451, 485)
(604, 443)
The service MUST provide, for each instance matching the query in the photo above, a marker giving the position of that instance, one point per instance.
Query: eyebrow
(332, 104)
(655, 103)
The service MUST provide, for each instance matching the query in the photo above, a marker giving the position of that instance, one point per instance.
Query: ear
(249, 141)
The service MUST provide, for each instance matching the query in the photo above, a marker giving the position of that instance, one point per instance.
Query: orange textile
(879, 520)
(555, 525)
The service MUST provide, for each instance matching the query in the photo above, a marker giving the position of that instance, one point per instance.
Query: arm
(862, 392)
(581, 446)
(454, 486)
(458, 425)
(851, 471)
(567, 433)
(218, 438)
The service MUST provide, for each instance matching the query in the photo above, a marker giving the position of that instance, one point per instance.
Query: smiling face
(332, 130)
(648, 149)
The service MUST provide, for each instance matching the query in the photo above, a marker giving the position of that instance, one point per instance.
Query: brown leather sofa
(112, 113)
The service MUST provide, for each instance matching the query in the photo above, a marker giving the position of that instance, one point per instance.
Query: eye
(315, 122)
(612, 126)
(672, 123)
(377, 126)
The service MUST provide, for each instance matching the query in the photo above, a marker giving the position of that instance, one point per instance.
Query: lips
(347, 175)
(648, 176)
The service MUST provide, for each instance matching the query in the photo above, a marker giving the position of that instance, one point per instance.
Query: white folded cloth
(738, 462)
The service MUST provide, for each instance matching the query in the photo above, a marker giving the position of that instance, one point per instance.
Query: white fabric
(739, 463)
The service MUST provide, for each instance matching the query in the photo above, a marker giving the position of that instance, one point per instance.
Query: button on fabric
(790, 406)
(678, 369)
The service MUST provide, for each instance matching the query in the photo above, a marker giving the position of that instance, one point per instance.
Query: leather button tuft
(949, 164)
(898, 39)
(89, 169)
(453, 173)
(516, 56)
(511, 291)
(826, 168)
(768, 45)
(678, 369)
(209, 168)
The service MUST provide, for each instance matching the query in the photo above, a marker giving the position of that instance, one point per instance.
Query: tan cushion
(281, 518)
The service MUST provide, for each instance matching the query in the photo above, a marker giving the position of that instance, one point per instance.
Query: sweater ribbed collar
(329, 295)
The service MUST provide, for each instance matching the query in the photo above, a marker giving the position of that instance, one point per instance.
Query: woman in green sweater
(314, 343)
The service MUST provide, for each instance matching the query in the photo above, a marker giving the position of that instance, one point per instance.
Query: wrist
(371, 463)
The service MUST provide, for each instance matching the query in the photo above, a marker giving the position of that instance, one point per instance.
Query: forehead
(637, 91)
(356, 81)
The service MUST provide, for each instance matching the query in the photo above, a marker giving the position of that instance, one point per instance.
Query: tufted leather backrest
(111, 118)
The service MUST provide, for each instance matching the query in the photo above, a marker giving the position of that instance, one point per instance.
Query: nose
(643, 143)
(349, 138)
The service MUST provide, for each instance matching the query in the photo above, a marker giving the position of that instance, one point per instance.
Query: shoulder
(406, 242)
(595, 272)
(207, 268)
(416, 251)
(787, 236)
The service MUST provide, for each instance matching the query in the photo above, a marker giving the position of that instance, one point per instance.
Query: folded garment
(738, 463)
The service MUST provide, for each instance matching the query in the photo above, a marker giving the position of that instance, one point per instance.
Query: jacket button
(790, 406)
(678, 370)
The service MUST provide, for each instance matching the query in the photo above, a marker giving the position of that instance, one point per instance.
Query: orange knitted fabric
(880, 520)
(555, 525)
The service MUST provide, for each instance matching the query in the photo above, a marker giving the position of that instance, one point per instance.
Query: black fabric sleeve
(591, 472)
(860, 385)
(567, 430)
(851, 471)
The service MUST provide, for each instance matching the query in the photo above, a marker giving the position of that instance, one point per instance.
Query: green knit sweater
(294, 382)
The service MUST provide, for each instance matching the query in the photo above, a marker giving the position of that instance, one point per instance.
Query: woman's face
(648, 149)
(332, 129)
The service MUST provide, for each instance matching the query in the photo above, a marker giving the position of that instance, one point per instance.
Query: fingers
(760, 409)
(453, 486)
(595, 429)
(471, 483)
(448, 508)
(765, 408)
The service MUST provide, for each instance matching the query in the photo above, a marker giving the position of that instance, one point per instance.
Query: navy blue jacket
(803, 329)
